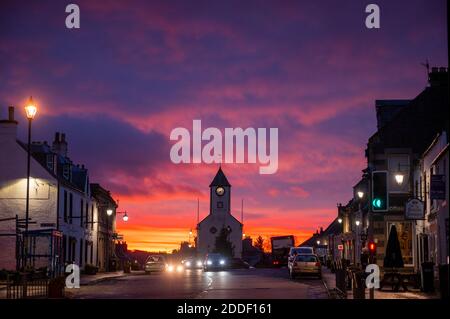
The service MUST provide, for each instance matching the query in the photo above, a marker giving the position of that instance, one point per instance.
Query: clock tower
(220, 194)
(219, 218)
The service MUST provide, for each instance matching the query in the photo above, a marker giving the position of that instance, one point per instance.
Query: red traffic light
(372, 247)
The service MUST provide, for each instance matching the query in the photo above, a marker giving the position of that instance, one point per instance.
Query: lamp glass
(125, 217)
(340, 220)
(109, 212)
(399, 178)
(357, 222)
(360, 194)
(30, 110)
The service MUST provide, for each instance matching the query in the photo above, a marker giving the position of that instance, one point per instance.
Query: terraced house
(65, 215)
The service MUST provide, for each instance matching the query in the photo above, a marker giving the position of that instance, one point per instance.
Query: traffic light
(372, 248)
(379, 191)
(372, 252)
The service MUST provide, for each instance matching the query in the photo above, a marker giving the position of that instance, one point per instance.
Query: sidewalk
(93, 279)
(329, 280)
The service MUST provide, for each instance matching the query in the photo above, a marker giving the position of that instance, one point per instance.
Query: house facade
(64, 214)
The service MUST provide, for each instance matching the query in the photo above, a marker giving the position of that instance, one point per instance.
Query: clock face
(220, 190)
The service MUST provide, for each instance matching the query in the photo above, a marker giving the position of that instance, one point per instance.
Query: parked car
(155, 263)
(214, 261)
(305, 264)
(294, 251)
(192, 263)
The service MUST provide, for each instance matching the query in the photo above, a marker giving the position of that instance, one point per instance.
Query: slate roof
(220, 179)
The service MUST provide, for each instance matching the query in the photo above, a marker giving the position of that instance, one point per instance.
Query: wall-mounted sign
(340, 247)
(437, 187)
(414, 209)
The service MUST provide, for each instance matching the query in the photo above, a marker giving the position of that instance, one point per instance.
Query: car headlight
(188, 264)
(222, 262)
(209, 262)
(170, 268)
(199, 263)
(179, 268)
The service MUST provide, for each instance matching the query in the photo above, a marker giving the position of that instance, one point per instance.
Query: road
(233, 284)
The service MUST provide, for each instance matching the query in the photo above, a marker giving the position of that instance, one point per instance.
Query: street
(233, 284)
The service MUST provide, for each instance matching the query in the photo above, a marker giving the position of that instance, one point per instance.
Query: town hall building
(219, 217)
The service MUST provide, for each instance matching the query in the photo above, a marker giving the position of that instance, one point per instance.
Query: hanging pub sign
(414, 209)
(437, 187)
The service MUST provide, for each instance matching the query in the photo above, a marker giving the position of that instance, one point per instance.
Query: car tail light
(317, 264)
(275, 262)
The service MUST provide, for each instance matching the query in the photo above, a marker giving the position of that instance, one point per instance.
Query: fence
(25, 288)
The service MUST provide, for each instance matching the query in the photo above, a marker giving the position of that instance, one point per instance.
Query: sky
(135, 70)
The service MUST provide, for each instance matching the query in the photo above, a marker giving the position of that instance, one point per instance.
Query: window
(92, 216)
(70, 208)
(81, 253)
(219, 204)
(81, 212)
(87, 215)
(86, 245)
(65, 206)
(66, 171)
(92, 253)
(50, 161)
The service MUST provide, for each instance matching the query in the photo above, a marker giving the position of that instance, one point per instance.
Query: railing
(35, 288)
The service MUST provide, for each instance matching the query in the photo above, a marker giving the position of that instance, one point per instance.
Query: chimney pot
(11, 113)
(56, 137)
(63, 137)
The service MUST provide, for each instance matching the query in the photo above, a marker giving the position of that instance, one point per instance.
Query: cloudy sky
(137, 69)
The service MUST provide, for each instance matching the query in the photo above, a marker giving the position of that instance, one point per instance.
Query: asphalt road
(236, 284)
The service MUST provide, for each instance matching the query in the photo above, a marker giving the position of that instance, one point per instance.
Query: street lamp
(357, 222)
(318, 242)
(360, 194)
(31, 111)
(340, 220)
(125, 217)
(109, 212)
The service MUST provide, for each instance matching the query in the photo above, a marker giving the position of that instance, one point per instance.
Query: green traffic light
(376, 203)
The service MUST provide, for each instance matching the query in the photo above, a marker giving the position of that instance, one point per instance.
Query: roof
(220, 179)
(332, 229)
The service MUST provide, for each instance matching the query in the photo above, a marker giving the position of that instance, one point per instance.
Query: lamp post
(30, 110)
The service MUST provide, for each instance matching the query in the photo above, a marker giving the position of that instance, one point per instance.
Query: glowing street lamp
(318, 242)
(360, 194)
(340, 220)
(31, 111)
(109, 211)
(399, 178)
(125, 217)
(357, 222)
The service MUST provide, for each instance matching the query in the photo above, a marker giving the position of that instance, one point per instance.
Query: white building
(433, 230)
(63, 213)
(219, 218)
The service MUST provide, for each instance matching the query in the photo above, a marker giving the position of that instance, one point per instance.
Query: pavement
(197, 284)
(92, 279)
(330, 282)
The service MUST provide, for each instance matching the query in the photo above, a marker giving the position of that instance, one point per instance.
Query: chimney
(59, 145)
(8, 127)
(438, 77)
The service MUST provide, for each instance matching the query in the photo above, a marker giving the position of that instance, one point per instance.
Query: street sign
(437, 187)
(414, 209)
(340, 247)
